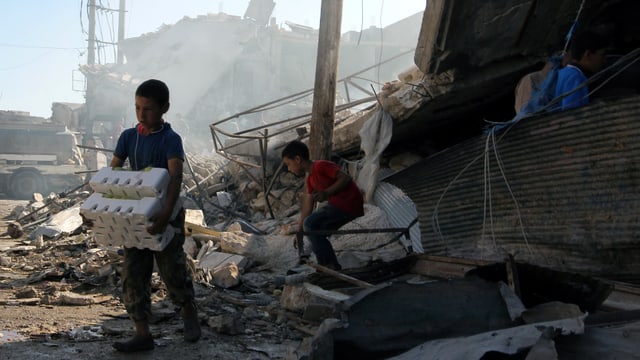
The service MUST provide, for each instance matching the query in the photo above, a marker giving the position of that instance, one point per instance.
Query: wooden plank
(198, 229)
(19, 302)
(445, 267)
(324, 93)
(338, 275)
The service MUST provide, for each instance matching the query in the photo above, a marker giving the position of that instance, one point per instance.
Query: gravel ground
(81, 332)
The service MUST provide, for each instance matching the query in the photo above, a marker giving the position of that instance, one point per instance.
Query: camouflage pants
(137, 269)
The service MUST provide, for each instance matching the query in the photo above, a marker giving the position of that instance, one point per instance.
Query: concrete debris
(249, 281)
(86, 333)
(226, 275)
(28, 292)
(71, 298)
(226, 324)
(505, 341)
(214, 259)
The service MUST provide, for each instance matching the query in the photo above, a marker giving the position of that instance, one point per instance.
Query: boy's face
(594, 61)
(294, 165)
(149, 113)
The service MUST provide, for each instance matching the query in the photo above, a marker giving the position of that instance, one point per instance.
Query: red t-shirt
(323, 175)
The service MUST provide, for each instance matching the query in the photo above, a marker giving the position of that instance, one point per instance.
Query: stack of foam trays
(122, 205)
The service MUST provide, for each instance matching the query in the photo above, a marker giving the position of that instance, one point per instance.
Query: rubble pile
(250, 284)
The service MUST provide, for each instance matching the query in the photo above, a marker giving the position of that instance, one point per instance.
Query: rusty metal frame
(262, 133)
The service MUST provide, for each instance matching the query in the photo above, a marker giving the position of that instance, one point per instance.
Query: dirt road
(43, 331)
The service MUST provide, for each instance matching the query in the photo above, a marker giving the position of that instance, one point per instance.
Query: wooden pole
(341, 276)
(324, 93)
(91, 55)
(121, 12)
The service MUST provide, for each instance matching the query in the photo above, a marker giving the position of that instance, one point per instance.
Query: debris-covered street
(424, 219)
(59, 299)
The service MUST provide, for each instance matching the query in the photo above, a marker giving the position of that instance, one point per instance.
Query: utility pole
(91, 60)
(121, 10)
(324, 92)
(91, 55)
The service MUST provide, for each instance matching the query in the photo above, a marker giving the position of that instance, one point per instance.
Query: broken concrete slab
(215, 259)
(550, 311)
(539, 285)
(71, 298)
(64, 222)
(228, 324)
(195, 217)
(544, 348)
(20, 302)
(297, 297)
(604, 342)
(506, 341)
(226, 275)
(391, 318)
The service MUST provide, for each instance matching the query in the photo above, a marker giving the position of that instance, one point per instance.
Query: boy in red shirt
(325, 182)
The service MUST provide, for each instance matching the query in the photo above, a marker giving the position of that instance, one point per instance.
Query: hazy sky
(42, 41)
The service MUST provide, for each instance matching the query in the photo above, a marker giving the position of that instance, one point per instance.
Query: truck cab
(37, 155)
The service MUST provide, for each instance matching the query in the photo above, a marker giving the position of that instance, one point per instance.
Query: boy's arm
(116, 161)
(161, 220)
(307, 208)
(342, 181)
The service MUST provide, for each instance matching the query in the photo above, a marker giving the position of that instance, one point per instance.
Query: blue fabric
(153, 150)
(327, 217)
(570, 78)
(545, 92)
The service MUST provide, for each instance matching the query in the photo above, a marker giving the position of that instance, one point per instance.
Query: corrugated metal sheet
(400, 211)
(576, 178)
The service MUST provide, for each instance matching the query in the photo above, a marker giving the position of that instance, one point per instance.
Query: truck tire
(24, 183)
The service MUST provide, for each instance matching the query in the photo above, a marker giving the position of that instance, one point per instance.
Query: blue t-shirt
(153, 150)
(570, 78)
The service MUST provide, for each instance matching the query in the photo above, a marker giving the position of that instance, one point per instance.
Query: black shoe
(134, 344)
(334, 266)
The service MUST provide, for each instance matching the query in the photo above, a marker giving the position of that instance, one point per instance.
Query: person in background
(152, 143)
(588, 52)
(534, 83)
(326, 181)
(528, 84)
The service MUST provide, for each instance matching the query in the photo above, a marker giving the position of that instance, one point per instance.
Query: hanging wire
(381, 43)
(487, 190)
(81, 23)
(617, 68)
(361, 22)
(573, 27)
(506, 182)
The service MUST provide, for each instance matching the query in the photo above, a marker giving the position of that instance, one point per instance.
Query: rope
(573, 27)
(487, 190)
(513, 197)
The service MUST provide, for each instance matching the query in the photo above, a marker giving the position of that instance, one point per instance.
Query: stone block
(130, 184)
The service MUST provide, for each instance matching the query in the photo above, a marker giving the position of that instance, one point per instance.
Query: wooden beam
(324, 93)
(338, 275)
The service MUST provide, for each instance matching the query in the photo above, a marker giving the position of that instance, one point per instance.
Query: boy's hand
(319, 196)
(158, 225)
(86, 222)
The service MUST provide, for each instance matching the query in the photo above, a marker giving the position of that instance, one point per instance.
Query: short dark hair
(154, 89)
(587, 40)
(296, 148)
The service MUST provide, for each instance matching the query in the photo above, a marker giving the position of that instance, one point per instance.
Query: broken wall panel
(574, 177)
(387, 320)
(471, 34)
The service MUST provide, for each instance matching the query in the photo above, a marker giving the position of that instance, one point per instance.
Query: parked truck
(37, 155)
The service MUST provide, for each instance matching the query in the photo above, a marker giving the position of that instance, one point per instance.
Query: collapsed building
(219, 64)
